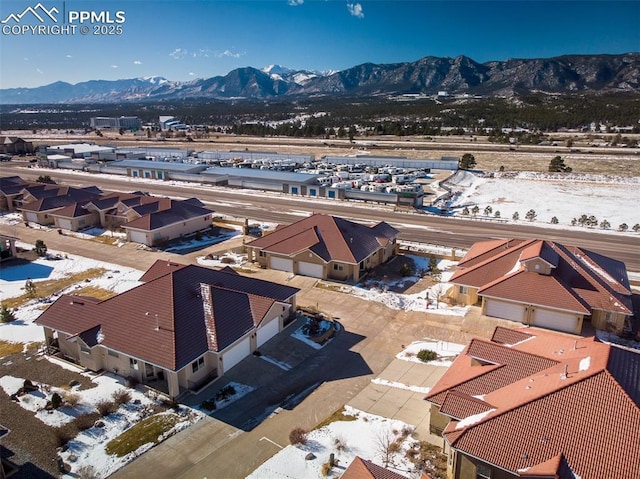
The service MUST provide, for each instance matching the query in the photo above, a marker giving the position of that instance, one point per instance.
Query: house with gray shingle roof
(180, 329)
(326, 247)
(532, 403)
(544, 283)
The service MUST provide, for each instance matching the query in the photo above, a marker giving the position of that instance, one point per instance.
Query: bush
(64, 434)
(298, 436)
(105, 407)
(227, 260)
(406, 269)
(209, 405)
(340, 443)
(56, 401)
(7, 315)
(326, 469)
(121, 396)
(426, 355)
(225, 393)
(132, 382)
(86, 421)
(28, 386)
(70, 399)
(87, 472)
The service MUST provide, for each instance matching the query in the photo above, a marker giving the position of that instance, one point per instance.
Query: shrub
(121, 396)
(70, 399)
(28, 386)
(225, 393)
(227, 260)
(171, 403)
(7, 315)
(64, 434)
(340, 443)
(132, 382)
(426, 355)
(105, 407)
(406, 269)
(326, 469)
(298, 436)
(209, 405)
(86, 421)
(56, 401)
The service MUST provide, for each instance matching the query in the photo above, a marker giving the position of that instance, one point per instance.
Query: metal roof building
(397, 161)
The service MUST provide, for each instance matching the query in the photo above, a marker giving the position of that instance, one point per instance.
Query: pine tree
(515, 216)
(531, 215)
(40, 248)
(467, 162)
(488, 210)
(465, 211)
(605, 225)
(557, 166)
(496, 214)
(7, 315)
(554, 220)
(475, 210)
(623, 227)
(30, 288)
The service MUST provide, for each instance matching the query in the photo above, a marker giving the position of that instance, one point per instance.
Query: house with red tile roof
(532, 403)
(180, 329)
(546, 284)
(365, 469)
(326, 247)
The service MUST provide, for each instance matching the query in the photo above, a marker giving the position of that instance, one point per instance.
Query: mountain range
(589, 74)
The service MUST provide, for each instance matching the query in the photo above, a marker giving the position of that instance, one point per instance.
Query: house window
(262, 254)
(113, 354)
(337, 267)
(483, 472)
(464, 290)
(294, 190)
(199, 364)
(133, 363)
(85, 349)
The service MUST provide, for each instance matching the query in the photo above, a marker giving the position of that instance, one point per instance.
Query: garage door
(64, 224)
(30, 216)
(236, 354)
(282, 264)
(310, 269)
(267, 331)
(138, 237)
(557, 320)
(505, 310)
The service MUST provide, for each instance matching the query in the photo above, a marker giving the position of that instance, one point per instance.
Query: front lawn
(147, 431)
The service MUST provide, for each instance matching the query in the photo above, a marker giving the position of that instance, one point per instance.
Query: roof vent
(565, 374)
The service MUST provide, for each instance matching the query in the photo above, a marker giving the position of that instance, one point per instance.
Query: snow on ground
(561, 195)
(226, 259)
(446, 351)
(361, 437)
(377, 290)
(397, 385)
(116, 278)
(88, 447)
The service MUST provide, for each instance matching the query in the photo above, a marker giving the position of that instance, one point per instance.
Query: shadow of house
(287, 389)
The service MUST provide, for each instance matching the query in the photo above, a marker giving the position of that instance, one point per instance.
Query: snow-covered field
(564, 196)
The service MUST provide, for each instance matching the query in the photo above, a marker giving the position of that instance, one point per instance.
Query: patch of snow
(397, 385)
(473, 419)
(584, 364)
(446, 351)
(282, 365)
(360, 437)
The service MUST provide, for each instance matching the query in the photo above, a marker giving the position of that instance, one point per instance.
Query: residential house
(180, 329)
(531, 403)
(11, 192)
(327, 247)
(544, 283)
(7, 247)
(41, 201)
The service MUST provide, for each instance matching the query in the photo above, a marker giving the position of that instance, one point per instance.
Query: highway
(413, 226)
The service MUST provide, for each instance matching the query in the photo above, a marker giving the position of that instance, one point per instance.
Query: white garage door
(544, 318)
(505, 310)
(236, 354)
(138, 237)
(64, 224)
(31, 216)
(310, 269)
(282, 264)
(268, 331)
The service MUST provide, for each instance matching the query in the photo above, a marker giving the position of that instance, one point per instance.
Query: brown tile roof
(163, 320)
(509, 336)
(364, 469)
(330, 237)
(52, 197)
(459, 406)
(580, 280)
(74, 210)
(164, 212)
(546, 422)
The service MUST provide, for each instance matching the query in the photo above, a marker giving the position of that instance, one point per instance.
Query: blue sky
(188, 39)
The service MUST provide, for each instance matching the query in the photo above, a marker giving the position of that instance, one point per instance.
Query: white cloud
(295, 3)
(114, 66)
(69, 56)
(178, 53)
(355, 9)
(191, 74)
(40, 71)
(26, 59)
(229, 53)
(137, 62)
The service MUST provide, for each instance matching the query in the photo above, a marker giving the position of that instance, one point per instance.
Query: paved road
(454, 232)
